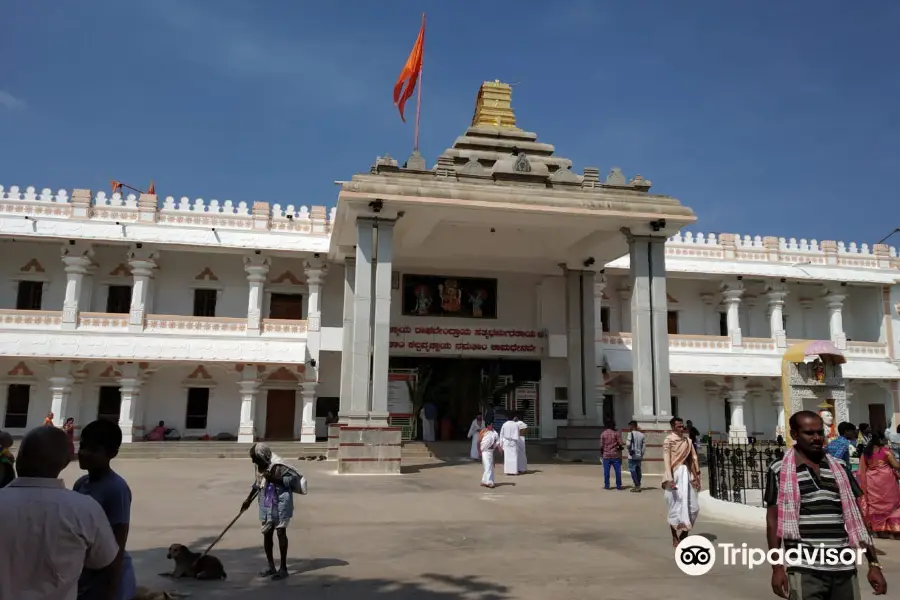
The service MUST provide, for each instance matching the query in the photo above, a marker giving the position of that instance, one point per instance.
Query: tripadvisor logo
(696, 555)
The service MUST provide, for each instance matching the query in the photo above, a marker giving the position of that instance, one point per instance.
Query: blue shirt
(113, 495)
(840, 449)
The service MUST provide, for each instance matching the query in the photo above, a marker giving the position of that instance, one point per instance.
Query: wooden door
(286, 306)
(110, 404)
(877, 418)
(280, 406)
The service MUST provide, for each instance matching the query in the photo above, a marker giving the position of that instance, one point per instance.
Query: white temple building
(257, 320)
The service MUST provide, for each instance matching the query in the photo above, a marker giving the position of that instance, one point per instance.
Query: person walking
(50, 534)
(877, 476)
(681, 481)
(611, 448)
(474, 429)
(488, 442)
(274, 491)
(634, 444)
(429, 415)
(812, 506)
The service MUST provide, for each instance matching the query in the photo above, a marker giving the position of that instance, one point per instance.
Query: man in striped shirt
(824, 518)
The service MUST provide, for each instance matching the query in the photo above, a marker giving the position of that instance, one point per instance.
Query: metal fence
(737, 472)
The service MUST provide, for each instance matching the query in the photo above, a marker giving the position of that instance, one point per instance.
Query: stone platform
(433, 534)
(370, 450)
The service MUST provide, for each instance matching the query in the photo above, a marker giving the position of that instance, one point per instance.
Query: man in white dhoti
(476, 426)
(523, 459)
(488, 441)
(509, 445)
(428, 415)
(681, 480)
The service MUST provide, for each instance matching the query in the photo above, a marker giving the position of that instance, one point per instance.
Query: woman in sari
(69, 428)
(877, 476)
(48, 420)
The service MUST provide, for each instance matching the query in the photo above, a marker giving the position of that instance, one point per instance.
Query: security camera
(312, 363)
(257, 252)
(316, 255)
(71, 242)
(658, 225)
(138, 246)
(376, 205)
(589, 261)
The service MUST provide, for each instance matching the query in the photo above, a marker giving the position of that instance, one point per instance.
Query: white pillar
(662, 383)
(641, 339)
(732, 292)
(776, 293)
(308, 412)
(381, 326)
(835, 301)
(60, 390)
(778, 404)
(249, 386)
(142, 262)
(257, 268)
(574, 354)
(131, 411)
(77, 259)
(347, 341)
(737, 396)
(361, 383)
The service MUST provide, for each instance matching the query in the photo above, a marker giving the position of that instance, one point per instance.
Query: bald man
(49, 533)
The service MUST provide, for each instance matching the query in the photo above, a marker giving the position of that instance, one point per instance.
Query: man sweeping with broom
(274, 487)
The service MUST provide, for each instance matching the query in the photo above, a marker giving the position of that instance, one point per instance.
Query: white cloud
(11, 102)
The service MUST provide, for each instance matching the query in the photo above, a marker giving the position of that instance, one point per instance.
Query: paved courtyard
(432, 534)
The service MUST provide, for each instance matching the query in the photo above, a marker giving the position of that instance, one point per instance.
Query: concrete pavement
(432, 534)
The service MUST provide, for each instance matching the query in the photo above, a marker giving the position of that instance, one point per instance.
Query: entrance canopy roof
(499, 199)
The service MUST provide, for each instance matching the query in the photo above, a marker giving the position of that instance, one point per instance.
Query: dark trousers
(634, 466)
(615, 463)
(825, 586)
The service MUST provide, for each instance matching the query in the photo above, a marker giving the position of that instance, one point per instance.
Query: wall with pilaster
(860, 315)
(177, 278)
(554, 374)
(164, 396)
(33, 261)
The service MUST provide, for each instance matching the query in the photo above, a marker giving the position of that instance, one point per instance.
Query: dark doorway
(110, 404)
(280, 406)
(456, 385)
(286, 306)
(118, 299)
(877, 418)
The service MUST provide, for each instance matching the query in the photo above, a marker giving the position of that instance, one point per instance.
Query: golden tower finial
(493, 107)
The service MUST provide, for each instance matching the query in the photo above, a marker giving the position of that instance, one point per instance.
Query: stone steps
(201, 449)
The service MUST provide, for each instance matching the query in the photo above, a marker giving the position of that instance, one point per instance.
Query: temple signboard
(467, 341)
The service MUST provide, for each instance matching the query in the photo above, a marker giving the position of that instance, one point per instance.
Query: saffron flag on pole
(409, 76)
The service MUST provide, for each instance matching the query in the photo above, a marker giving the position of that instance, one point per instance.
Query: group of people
(59, 543)
(877, 475)
(510, 441)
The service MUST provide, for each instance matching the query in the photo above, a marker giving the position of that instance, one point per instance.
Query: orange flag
(152, 188)
(116, 186)
(409, 76)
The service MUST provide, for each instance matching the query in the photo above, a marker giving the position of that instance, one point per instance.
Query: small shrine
(813, 379)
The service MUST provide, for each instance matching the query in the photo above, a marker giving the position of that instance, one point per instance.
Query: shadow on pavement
(315, 577)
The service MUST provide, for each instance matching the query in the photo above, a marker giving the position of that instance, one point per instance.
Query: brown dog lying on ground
(188, 565)
(143, 593)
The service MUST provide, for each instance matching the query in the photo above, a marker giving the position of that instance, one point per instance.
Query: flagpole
(419, 90)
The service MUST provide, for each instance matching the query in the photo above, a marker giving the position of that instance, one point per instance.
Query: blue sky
(771, 118)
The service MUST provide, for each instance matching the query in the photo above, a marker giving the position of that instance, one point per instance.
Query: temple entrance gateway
(498, 201)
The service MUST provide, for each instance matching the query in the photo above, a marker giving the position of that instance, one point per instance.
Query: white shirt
(510, 431)
(489, 441)
(49, 534)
